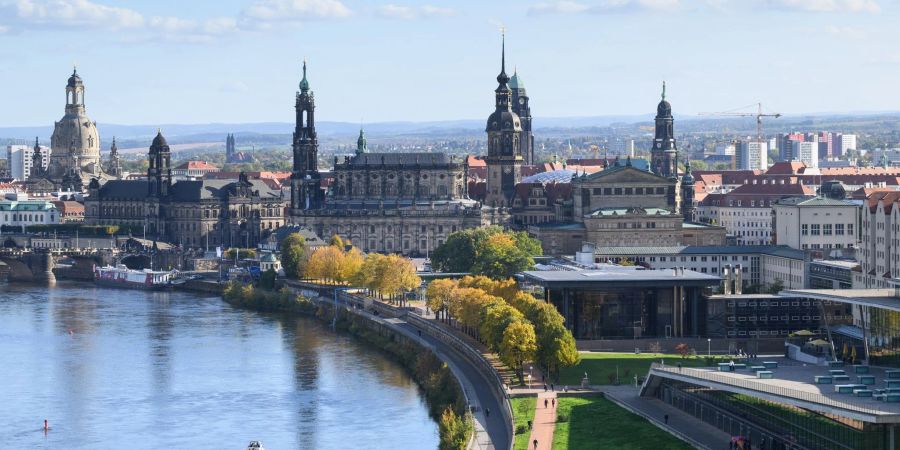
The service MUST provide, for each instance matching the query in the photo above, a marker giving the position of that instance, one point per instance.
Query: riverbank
(446, 399)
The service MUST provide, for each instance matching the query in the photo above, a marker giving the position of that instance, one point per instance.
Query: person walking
(545, 403)
(666, 419)
(553, 402)
(487, 413)
(535, 444)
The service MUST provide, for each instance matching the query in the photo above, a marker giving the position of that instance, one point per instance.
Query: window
(804, 229)
(826, 229)
(839, 229)
(816, 229)
(850, 228)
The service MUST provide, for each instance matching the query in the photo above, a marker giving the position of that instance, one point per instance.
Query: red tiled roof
(200, 165)
(787, 168)
(475, 161)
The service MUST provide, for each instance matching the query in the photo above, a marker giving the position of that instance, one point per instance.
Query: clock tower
(306, 190)
(521, 107)
(664, 154)
(504, 132)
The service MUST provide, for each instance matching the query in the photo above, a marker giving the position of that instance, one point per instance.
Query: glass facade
(769, 316)
(631, 312)
(772, 426)
(884, 337)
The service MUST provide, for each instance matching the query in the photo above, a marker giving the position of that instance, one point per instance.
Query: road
(483, 395)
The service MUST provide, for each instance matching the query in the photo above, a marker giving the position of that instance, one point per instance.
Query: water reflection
(129, 369)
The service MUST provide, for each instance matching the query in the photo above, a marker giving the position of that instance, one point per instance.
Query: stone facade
(192, 213)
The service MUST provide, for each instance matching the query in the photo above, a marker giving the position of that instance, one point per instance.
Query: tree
(454, 430)
(490, 251)
(519, 345)
(497, 316)
(456, 254)
(240, 253)
(336, 241)
(438, 295)
(267, 279)
(352, 263)
(776, 286)
(556, 346)
(683, 350)
(294, 253)
(325, 263)
(500, 257)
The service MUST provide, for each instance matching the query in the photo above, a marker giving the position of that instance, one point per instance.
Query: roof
(836, 263)
(612, 275)
(516, 82)
(882, 298)
(268, 257)
(775, 250)
(312, 239)
(26, 205)
(125, 190)
(787, 168)
(555, 176)
(206, 189)
(631, 211)
(399, 159)
(197, 165)
(814, 201)
(69, 206)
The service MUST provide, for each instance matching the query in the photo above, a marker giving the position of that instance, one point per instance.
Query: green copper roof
(304, 84)
(516, 82)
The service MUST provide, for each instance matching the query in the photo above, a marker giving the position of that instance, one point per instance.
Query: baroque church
(74, 148)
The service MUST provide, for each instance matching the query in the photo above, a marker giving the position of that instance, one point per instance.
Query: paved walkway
(681, 422)
(544, 422)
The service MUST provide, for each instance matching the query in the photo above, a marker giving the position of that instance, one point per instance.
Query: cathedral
(406, 203)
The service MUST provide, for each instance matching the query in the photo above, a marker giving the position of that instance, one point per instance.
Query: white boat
(121, 276)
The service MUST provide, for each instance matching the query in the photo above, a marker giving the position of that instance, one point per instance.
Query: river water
(120, 369)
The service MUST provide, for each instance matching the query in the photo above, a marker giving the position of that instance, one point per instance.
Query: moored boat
(123, 277)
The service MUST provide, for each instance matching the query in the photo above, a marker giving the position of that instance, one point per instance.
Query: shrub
(562, 417)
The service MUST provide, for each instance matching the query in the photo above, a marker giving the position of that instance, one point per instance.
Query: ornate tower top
(361, 143)
(502, 78)
(304, 83)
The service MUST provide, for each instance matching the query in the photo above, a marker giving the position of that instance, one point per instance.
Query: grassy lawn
(599, 367)
(523, 411)
(594, 422)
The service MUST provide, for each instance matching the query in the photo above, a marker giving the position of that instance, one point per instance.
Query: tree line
(512, 323)
(489, 251)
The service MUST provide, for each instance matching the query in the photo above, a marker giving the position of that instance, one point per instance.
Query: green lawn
(599, 367)
(595, 422)
(523, 411)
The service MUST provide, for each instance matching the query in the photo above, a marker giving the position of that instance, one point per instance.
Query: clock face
(521, 101)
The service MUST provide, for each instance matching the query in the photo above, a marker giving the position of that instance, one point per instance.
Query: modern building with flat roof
(848, 400)
(617, 301)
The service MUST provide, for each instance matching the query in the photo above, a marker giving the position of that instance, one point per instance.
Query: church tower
(37, 161)
(75, 143)
(664, 154)
(362, 145)
(159, 172)
(114, 168)
(687, 193)
(229, 148)
(504, 133)
(306, 191)
(521, 107)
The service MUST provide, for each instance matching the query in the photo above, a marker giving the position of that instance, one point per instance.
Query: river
(120, 369)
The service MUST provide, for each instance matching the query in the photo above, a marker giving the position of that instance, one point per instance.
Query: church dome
(504, 120)
(664, 108)
(74, 80)
(159, 140)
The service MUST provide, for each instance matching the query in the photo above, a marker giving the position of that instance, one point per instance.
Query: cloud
(869, 6)
(560, 7)
(263, 13)
(20, 15)
(604, 7)
(68, 14)
(392, 11)
(846, 32)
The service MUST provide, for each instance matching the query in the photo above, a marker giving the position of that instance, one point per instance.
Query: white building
(14, 213)
(19, 158)
(806, 152)
(846, 142)
(752, 155)
(817, 223)
(879, 255)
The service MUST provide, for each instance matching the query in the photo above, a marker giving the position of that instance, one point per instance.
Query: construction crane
(759, 114)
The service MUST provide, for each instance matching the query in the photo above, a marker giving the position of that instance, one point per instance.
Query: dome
(74, 80)
(504, 120)
(664, 108)
(159, 140)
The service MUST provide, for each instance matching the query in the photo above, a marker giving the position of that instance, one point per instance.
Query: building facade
(405, 203)
(817, 223)
(190, 213)
(22, 158)
(15, 215)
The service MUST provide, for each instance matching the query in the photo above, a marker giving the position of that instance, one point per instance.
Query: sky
(239, 61)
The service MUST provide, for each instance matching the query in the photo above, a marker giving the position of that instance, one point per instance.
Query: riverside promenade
(484, 391)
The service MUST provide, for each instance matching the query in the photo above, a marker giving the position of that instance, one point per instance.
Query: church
(406, 203)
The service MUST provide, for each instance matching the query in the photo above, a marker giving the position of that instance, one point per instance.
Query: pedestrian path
(544, 421)
(703, 434)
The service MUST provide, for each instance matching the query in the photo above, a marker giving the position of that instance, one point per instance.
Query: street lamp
(708, 347)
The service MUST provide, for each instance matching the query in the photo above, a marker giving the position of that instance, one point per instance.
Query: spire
(361, 143)
(502, 78)
(664, 91)
(113, 148)
(304, 84)
(37, 144)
